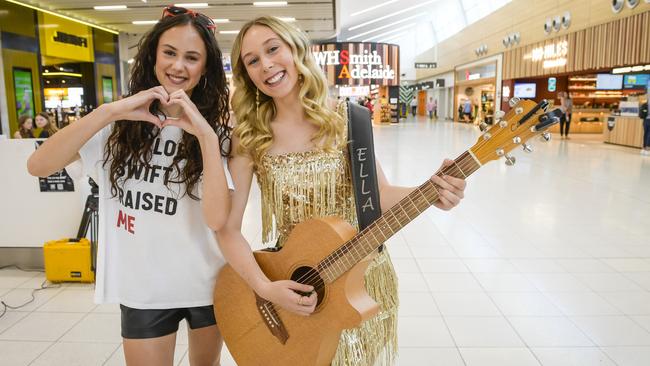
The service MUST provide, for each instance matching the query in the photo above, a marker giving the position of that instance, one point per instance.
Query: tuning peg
(487, 136)
(546, 137)
(499, 114)
(483, 126)
(500, 152)
(503, 124)
(516, 140)
(510, 160)
(519, 110)
(527, 148)
(545, 107)
(513, 102)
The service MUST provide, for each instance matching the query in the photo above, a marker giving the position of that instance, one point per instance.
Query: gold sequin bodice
(300, 186)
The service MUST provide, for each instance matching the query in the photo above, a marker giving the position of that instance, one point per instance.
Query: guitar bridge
(272, 319)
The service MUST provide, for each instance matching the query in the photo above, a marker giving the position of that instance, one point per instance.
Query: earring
(205, 82)
(257, 103)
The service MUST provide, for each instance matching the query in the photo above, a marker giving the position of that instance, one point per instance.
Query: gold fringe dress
(299, 186)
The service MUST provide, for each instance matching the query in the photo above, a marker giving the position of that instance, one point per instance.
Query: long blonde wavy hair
(255, 135)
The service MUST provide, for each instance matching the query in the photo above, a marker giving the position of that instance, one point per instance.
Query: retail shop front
(604, 69)
(357, 71)
(54, 64)
(438, 89)
(476, 89)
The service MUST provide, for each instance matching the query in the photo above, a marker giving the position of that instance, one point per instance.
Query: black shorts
(153, 323)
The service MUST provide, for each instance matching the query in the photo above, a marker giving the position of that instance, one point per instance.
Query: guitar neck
(391, 221)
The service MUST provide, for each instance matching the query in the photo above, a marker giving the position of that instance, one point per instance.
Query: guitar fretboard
(398, 216)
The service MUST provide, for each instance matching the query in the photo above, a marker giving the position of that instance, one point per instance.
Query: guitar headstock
(524, 120)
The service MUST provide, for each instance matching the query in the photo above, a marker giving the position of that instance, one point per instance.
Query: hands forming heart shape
(137, 108)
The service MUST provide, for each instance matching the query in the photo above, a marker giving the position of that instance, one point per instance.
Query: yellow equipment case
(74, 259)
(68, 260)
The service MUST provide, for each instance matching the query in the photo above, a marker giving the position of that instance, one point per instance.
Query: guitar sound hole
(309, 276)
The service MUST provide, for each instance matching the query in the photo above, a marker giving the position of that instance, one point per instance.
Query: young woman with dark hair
(25, 128)
(44, 122)
(159, 157)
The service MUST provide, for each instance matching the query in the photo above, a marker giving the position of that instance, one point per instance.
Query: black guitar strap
(362, 164)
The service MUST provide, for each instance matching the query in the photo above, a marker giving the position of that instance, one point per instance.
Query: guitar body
(312, 340)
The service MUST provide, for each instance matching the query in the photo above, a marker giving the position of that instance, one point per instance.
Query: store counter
(627, 131)
(585, 121)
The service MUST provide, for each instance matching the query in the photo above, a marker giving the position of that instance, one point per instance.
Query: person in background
(369, 105)
(467, 110)
(645, 116)
(566, 105)
(414, 105)
(429, 107)
(435, 108)
(25, 128)
(44, 122)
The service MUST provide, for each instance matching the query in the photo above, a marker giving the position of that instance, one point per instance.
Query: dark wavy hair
(130, 144)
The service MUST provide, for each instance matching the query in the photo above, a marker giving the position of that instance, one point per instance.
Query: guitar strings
(477, 147)
(466, 163)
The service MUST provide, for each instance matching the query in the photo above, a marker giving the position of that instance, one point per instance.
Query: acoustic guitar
(330, 255)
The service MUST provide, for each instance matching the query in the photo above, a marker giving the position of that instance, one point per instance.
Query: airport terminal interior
(542, 105)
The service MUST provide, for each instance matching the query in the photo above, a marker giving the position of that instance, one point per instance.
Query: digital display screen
(636, 81)
(609, 82)
(525, 90)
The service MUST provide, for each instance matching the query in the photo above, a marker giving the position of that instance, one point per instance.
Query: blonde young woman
(294, 143)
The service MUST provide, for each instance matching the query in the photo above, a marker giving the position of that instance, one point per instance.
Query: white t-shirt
(154, 249)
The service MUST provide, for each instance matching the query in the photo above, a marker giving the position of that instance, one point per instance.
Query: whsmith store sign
(358, 63)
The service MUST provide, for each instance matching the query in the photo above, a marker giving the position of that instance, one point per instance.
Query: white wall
(4, 109)
(28, 217)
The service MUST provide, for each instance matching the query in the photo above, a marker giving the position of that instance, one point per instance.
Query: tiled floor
(544, 263)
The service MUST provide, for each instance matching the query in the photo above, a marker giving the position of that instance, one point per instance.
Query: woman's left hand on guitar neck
(451, 189)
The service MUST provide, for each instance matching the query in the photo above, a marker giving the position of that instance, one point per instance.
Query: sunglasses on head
(172, 11)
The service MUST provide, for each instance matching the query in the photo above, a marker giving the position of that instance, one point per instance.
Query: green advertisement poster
(24, 92)
(107, 89)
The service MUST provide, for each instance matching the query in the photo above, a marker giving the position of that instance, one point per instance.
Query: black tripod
(90, 222)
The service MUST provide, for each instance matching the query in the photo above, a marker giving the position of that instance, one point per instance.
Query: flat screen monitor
(636, 81)
(525, 90)
(609, 82)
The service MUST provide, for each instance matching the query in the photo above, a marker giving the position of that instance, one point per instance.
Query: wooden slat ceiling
(315, 17)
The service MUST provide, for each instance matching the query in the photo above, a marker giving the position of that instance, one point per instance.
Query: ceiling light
(390, 15)
(270, 3)
(144, 22)
(287, 19)
(373, 7)
(63, 16)
(72, 74)
(389, 32)
(110, 7)
(130, 61)
(385, 26)
(229, 31)
(221, 20)
(192, 5)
